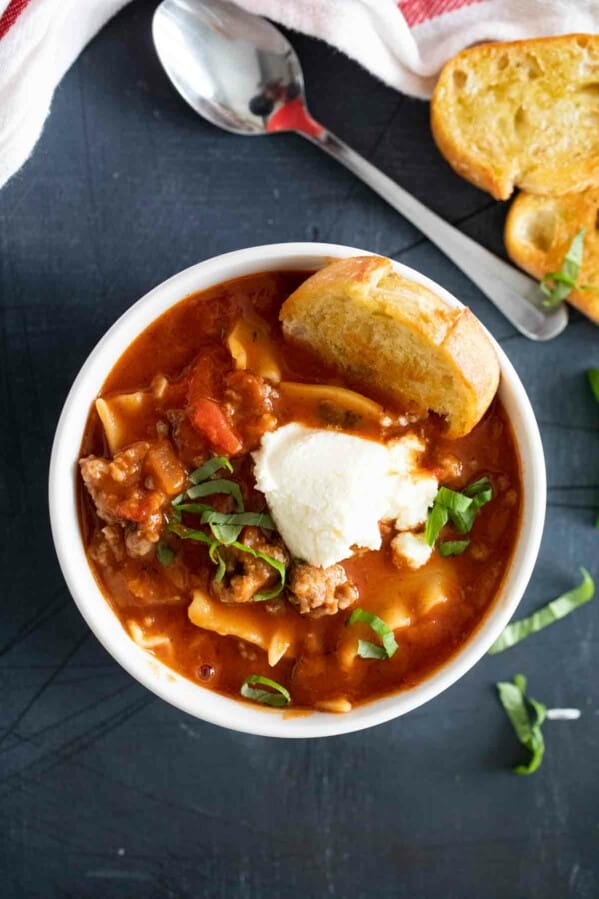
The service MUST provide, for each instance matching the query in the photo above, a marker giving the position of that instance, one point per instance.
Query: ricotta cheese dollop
(327, 491)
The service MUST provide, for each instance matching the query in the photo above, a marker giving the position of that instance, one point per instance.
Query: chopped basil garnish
(220, 485)
(481, 491)
(437, 518)
(453, 547)
(459, 508)
(260, 519)
(379, 627)
(196, 508)
(188, 533)
(547, 615)
(277, 699)
(215, 556)
(205, 471)
(227, 527)
(558, 285)
(526, 716)
(164, 553)
(593, 376)
(368, 650)
(274, 563)
(452, 501)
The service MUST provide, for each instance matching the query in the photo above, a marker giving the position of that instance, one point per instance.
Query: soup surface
(206, 381)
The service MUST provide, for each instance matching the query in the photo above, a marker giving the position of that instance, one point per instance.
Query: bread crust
(397, 337)
(497, 111)
(539, 231)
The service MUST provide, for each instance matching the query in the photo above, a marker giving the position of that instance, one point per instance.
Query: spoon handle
(511, 291)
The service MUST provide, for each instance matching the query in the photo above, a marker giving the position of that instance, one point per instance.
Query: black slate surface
(105, 790)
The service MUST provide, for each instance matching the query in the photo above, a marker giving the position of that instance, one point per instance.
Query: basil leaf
(481, 491)
(378, 626)
(205, 471)
(553, 611)
(227, 527)
(593, 376)
(274, 563)
(368, 650)
(164, 553)
(188, 533)
(453, 547)
(208, 488)
(218, 560)
(526, 727)
(460, 508)
(280, 698)
(464, 521)
(260, 519)
(558, 292)
(452, 501)
(226, 533)
(573, 259)
(558, 285)
(198, 508)
(436, 520)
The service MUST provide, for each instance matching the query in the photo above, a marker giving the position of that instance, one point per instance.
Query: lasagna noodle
(251, 348)
(277, 637)
(342, 397)
(124, 417)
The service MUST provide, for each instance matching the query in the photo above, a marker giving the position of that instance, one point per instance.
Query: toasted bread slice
(538, 234)
(396, 337)
(524, 113)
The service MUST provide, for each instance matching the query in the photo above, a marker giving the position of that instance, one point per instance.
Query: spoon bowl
(240, 73)
(234, 69)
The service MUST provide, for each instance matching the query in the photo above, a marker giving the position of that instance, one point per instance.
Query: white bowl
(163, 681)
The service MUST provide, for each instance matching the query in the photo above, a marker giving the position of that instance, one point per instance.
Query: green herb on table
(593, 376)
(280, 696)
(526, 716)
(548, 614)
(368, 650)
(558, 285)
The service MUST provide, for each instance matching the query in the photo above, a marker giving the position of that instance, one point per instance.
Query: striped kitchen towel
(404, 43)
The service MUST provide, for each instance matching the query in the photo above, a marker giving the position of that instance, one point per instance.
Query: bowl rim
(184, 694)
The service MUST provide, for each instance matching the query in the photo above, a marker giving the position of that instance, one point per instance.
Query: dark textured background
(105, 790)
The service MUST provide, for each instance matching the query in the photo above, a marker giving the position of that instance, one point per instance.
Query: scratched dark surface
(105, 790)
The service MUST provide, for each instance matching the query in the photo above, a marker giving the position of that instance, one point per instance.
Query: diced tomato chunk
(208, 418)
(207, 375)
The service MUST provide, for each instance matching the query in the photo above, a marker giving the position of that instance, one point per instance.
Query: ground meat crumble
(320, 591)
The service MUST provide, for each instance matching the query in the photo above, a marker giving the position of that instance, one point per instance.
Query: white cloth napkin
(405, 44)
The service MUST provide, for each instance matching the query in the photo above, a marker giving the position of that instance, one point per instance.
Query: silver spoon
(239, 72)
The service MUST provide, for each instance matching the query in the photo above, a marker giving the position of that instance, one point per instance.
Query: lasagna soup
(277, 528)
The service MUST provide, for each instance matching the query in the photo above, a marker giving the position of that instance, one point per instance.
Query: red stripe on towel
(11, 14)
(416, 12)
